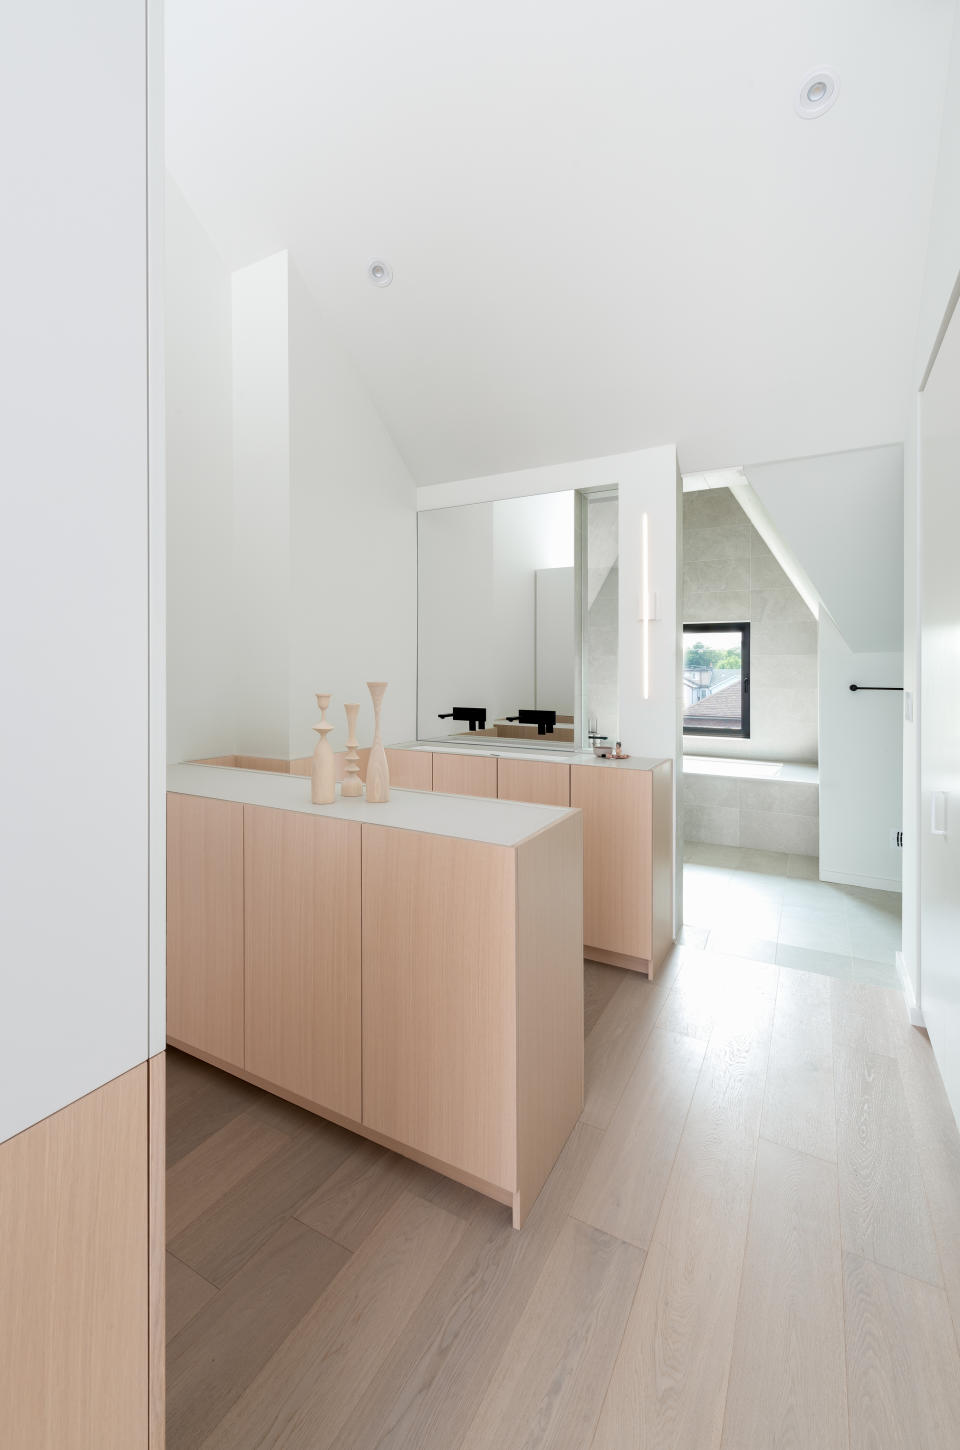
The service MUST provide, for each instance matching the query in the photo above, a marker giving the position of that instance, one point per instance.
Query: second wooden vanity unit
(627, 810)
(413, 970)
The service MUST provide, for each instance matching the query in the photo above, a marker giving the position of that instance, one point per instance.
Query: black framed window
(716, 680)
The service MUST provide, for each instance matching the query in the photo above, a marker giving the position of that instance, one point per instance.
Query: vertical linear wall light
(645, 601)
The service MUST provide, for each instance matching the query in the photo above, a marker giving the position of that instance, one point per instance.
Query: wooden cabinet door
(410, 769)
(302, 955)
(439, 998)
(538, 781)
(205, 925)
(465, 774)
(617, 837)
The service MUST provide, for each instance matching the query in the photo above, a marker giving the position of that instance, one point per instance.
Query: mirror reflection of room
(497, 621)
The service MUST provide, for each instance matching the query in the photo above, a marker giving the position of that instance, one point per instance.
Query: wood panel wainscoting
(81, 1272)
(459, 1042)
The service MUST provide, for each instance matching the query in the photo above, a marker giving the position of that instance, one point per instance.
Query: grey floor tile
(766, 863)
(806, 868)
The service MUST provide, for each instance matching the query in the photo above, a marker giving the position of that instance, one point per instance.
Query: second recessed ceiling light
(818, 91)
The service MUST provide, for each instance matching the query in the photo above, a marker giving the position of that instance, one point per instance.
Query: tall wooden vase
(323, 775)
(352, 784)
(378, 776)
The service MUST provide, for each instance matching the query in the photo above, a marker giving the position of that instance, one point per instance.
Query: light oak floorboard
(871, 1018)
(222, 1240)
(615, 1043)
(468, 1350)
(625, 1186)
(713, 989)
(431, 1385)
(669, 1382)
(186, 1295)
(883, 1207)
(200, 1100)
(203, 1176)
(305, 1392)
(547, 1390)
(600, 982)
(931, 1115)
(903, 1372)
(227, 1343)
(353, 1200)
(798, 1108)
(787, 1385)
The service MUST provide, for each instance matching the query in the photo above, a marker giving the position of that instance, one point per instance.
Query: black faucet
(475, 714)
(545, 720)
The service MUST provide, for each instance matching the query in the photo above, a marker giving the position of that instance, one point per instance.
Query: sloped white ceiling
(842, 519)
(608, 227)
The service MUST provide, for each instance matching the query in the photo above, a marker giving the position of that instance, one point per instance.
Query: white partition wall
(940, 726)
(74, 542)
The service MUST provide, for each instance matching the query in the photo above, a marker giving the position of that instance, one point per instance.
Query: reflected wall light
(645, 600)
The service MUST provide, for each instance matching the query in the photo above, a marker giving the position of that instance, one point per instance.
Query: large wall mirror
(518, 609)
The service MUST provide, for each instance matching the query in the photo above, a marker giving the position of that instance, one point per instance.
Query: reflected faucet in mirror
(545, 720)
(475, 715)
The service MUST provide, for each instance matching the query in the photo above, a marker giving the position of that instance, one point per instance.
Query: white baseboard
(906, 982)
(850, 878)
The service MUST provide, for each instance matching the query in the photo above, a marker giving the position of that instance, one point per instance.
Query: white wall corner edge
(906, 983)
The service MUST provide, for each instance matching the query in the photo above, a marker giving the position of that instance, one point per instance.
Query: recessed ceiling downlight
(380, 274)
(818, 91)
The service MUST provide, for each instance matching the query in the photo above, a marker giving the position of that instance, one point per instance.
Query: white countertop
(523, 752)
(468, 818)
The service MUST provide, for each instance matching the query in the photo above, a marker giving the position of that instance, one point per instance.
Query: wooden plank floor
(751, 1240)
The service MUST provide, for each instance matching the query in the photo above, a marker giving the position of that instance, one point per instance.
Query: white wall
(199, 460)
(74, 586)
(261, 518)
(353, 543)
(861, 739)
(291, 514)
(941, 279)
(940, 738)
(841, 515)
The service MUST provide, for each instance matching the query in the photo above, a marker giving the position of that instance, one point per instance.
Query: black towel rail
(876, 687)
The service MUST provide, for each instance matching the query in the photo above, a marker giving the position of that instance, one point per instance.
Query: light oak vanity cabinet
(301, 941)
(627, 811)
(627, 862)
(412, 970)
(205, 925)
(462, 774)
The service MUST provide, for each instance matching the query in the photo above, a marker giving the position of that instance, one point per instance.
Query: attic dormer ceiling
(607, 224)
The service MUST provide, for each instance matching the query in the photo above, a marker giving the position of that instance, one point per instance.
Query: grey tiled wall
(767, 815)
(730, 574)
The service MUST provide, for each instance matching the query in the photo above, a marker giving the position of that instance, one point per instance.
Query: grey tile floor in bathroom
(771, 907)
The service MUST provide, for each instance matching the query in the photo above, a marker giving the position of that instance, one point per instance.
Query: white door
(940, 716)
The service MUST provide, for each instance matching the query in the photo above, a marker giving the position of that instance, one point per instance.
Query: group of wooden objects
(323, 776)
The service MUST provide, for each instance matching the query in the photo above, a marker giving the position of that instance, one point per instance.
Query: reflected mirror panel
(498, 639)
(601, 615)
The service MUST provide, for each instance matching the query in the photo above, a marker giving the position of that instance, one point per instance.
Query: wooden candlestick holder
(352, 784)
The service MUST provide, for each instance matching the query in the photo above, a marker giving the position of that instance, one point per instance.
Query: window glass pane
(712, 675)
